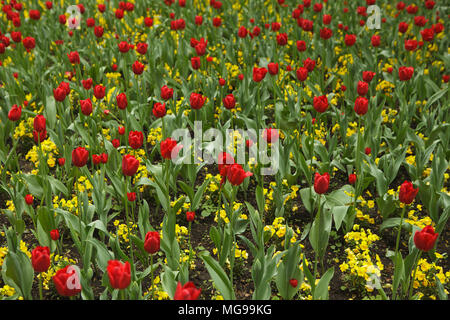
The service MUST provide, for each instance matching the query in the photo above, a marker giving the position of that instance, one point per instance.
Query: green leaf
(219, 277)
(198, 196)
(321, 290)
(103, 255)
(18, 272)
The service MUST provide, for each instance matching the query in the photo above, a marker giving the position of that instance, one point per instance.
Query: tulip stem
(40, 285)
(397, 243)
(190, 245)
(128, 227)
(312, 202)
(319, 228)
(414, 275)
(77, 173)
(151, 271)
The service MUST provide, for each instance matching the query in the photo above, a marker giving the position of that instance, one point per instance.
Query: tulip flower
(152, 242)
(236, 174)
(321, 182)
(119, 274)
(407, 192)
(186, 292)
(80, 157)
(14, 113)
(67, 283)
(40, 259)
(135, 139)
(130, 165)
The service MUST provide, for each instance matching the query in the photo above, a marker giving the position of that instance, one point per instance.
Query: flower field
(224, 150)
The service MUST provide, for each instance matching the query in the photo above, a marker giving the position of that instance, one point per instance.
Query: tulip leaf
(218, 275)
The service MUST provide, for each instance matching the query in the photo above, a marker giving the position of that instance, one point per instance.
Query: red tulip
(196, 100)
(67, 284)
(169, 148)
(186, 292)
(362, 88)
(122, 101)
(86, 106)
(361, 105)
(411, 45)
(34, 14)
(166, 92)
(115, 143)
(190, 216)
(80, 157)
(138, 68)
(242, 32)
(405, 73)
(135, 139)
(54, 234)
(259, 74)
(326, 33)
(74, 58)
(29, 199)
(99, 91)
(293, 283)
(229, 101)
(159, 109)
(123, 46)
(98, 31)
(236, 174)
(29, 43)
(119, 274)
(270, 135)
(217, 22)
(321, 182)
(427, 34)
(352, 178)
(87, 84)
(320, 103)
(282, 39)
(142, 48)
(59, 94)
(152, 242)
(301, 45)
(350, 39)
(403, 27)
(131, 196)
(40, 259)
(376, 40)
(130, 165)
(14, 113)
(39, 123)
(407, 192)
(326, 19)
(195, 63)
(273, 68)
(96, 159)
(309, 64)
(302, 74)
(368, 76)
(425, 239)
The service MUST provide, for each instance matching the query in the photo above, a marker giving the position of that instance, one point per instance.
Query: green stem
(151, 268)
(233, 246)
(40, 286)
(397, 243)
(414, 275)
(128, 227)
(190, 246)
(316, 258)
